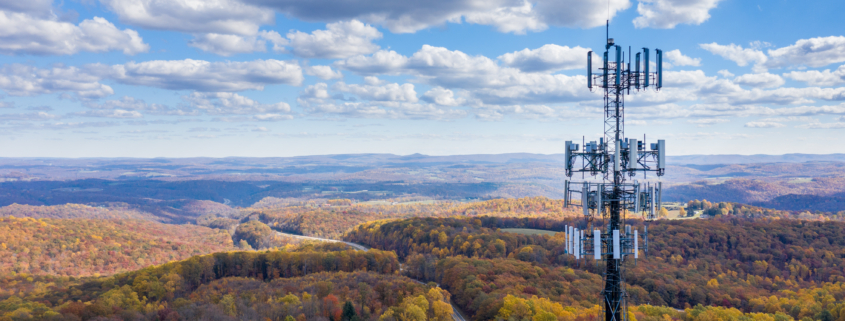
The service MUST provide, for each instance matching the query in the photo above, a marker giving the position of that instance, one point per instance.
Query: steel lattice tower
(615, 157)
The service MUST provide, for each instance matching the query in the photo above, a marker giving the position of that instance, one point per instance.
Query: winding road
(457, 314)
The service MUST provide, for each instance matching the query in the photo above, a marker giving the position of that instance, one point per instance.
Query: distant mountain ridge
(386, 159)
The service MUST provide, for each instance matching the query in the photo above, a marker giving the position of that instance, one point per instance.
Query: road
(457, 315)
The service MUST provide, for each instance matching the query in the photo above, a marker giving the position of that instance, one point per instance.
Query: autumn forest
(359, 249)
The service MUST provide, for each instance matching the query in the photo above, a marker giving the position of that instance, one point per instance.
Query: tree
(348, 312)
(252, 232)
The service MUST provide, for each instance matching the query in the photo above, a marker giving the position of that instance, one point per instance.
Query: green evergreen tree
(348, 312)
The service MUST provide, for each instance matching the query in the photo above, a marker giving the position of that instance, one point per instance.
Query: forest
(721, 262)
(744, 263)
(308, 282)
(91, 247)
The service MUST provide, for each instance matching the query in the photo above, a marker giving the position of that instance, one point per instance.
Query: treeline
(188, 288)
(83, 247)
(320, 296)
(332, 222)
(479, 286)
(112, 211)
(814, 195)
(750, 211)
(723, 262)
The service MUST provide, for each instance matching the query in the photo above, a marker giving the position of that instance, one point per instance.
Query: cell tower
(607, 202)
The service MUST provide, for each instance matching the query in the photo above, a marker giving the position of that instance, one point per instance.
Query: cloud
(323, 72)
(764, 124)
(8, 104)
(224, 103)
(22, 80)
(483, 76)
(202, 75)
(678, 59)
(340, 40)
(375, 90)
(29, 116)
(515, 16)
(39, 8)
(818, 125)
(381, 62)
(708, 121)
(725, 73)
(813, 52)
(443, 97)
(666, 14)
(819, 78)
(110, 113)
(21, 33)
(736, 53)
(74, 125)
(227, 45)
(134, 104)
(546, 58)
(390, 101)
(516, 19)
(207, 16)
(762, 80)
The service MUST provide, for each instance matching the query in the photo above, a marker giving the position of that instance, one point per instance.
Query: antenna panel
(585, 199)
(616, 157)
(637, 78)
(618, 65)
(633, 154)
(661, 154)
(645, 67)
(659, 68)
(636, 245)
(604, 76)
(597, 245)
(590, 69)
(617, 246)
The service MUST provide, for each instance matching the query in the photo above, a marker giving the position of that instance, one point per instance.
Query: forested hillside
(332, 222)
(721, 262)
(324, 282)
(84, 247)
(813, 194)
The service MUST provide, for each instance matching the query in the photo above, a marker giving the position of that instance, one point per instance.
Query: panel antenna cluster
(606, 202)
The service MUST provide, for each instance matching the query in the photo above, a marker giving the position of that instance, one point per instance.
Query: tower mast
(615, 157)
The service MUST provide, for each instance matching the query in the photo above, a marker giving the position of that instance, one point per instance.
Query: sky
(273, 78)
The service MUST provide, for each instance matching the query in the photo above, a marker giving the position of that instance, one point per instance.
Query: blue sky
(183, 78)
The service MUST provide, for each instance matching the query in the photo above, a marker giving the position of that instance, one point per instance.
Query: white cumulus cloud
(200, 75)
(546, 58)
(741, 56)
(666, 14)
(323, 72)
(339, 40)
(762, 80)
(813, 52)
(375, 90)
(224, 103)
(192, 16)
(764, 124)
(678, 59)
(21, 33)
(819, 78)
(23, 80)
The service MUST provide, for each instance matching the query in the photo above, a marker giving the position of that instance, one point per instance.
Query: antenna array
(616, 158)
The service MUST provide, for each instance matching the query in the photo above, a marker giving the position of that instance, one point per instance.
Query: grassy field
(528, 231)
